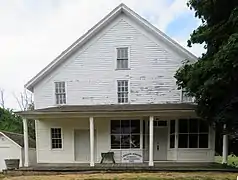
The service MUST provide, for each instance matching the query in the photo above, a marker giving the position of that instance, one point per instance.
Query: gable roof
(122, 8)
(18, 139)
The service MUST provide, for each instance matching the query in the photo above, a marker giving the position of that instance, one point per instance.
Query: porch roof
(100, 110)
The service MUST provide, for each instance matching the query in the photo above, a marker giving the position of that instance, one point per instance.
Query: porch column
(176, 137)
(91, 123)
(225, 147)
(141, 135)
(151, 136)
(26, 146)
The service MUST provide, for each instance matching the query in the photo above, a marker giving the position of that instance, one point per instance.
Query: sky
(34, 32)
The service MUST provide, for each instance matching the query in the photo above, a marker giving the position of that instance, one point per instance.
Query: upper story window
(56, 138)
(122, 91)
(122, 58)
(60, 93)
(185, 98)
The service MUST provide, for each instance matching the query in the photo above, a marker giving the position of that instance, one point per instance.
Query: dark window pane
(115, 141)
(125, 127)
(135, 126)
(193, 126)
(193, 140)
(135, 141)
(155, 123)
(203, 141)
(172, 126)
(162, 123)
(125, 141)
(115, 127)
(183, 141)
(172, 141)
(203, 126)
(183, 126)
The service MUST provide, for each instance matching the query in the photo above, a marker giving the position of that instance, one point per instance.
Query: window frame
(128, 58)
(172, 134)
(55, 95)
(131, 134)
(51, 142)
(128, 93)
(185, 98)
(198, 133)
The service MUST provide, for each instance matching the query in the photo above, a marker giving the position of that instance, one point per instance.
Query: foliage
(213, 79)
(232, 160)
(11, 122)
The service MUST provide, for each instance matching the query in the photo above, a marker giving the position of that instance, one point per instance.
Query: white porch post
(141, 135)
(151, 136)
(225, 147)
(26, 146)
(91, 122)
(176, 137)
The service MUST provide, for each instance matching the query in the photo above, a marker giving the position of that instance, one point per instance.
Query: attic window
(122, 58)
(60, 93)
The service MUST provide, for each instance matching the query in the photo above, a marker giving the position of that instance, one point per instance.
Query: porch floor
(125, 167)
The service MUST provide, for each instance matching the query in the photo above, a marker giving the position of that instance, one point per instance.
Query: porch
(126, 167)
(92, 127)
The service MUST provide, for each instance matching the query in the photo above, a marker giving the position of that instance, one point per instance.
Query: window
(56, 138)
(60, 93)
(122, 58)
(185, 97)
(122, 91)
(172, 134)
(125, 134)
(192, 133)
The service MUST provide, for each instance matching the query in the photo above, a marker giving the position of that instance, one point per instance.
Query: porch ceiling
(183, 109)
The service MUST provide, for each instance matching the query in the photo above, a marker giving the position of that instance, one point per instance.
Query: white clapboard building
(113, 90)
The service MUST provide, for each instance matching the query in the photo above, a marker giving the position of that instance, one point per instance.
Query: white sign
(132, 157)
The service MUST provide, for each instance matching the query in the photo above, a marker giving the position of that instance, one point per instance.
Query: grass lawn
(232, 160)
(132, 176)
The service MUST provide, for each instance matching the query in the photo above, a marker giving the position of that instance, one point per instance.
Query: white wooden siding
(90, 74)
(13, 150)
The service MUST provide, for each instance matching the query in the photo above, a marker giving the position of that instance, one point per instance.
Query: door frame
(165, 137)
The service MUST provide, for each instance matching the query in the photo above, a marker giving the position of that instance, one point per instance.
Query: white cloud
(33, 34)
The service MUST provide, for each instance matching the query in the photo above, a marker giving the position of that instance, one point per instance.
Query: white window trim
(129, 91)
(62, 139)
(182, 99)
(129, 57)
(66, 94)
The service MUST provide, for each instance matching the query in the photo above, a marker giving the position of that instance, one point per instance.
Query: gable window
(125, 134)
(122, 58)
(122, 91)
(56, 138)
(192, 133)
(60, 93)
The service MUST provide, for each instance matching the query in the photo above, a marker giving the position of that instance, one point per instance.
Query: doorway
(82, 145)
(160, 140)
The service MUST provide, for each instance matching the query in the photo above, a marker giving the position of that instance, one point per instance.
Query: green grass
(232, 160)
